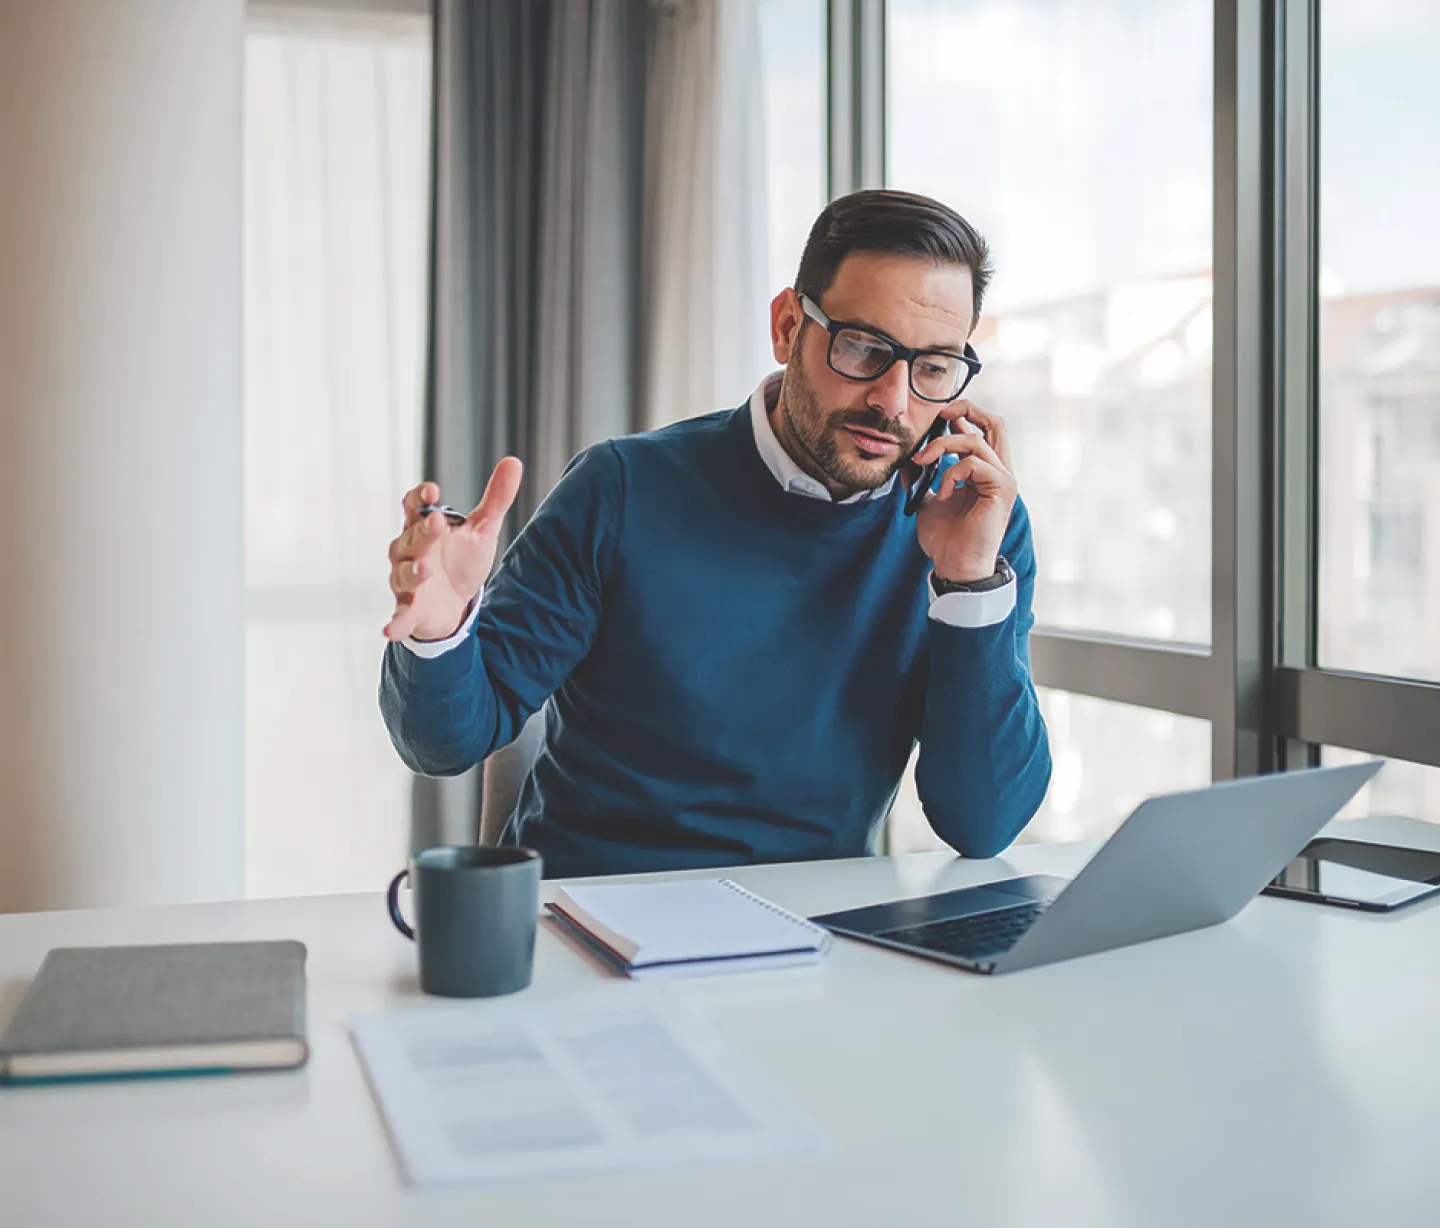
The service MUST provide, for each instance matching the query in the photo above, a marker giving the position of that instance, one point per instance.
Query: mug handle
(392, 902)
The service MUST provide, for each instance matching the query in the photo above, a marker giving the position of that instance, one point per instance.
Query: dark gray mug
(475, 912)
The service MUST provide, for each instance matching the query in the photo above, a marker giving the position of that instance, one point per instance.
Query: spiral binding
(808, 926)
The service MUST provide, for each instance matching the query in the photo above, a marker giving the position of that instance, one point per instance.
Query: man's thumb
(499, 494)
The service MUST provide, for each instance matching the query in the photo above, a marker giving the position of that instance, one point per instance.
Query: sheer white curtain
(707, 289)
(337, 107)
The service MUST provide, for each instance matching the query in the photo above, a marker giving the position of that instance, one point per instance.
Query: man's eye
(862, 349)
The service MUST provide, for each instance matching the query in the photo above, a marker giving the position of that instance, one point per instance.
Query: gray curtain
(535, 278)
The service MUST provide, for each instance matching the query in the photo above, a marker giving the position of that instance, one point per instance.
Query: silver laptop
(1178, 863)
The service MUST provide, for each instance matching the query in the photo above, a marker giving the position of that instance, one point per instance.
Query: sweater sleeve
(984, 761)
(537, 619)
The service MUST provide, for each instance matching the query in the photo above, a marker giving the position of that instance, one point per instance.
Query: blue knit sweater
(734, 673)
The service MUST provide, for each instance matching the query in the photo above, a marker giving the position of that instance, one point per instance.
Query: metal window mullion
(1171, 678)
(1297, 391)
(1394, 717)
(1241, 482)
(870, 57)
(839, 97)
(855, 93)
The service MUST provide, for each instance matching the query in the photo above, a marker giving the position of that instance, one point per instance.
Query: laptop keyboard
(972, 937)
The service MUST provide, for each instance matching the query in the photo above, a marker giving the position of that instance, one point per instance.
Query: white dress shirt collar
(790, 476)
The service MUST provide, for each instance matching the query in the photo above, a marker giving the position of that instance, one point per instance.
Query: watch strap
(1001, 577)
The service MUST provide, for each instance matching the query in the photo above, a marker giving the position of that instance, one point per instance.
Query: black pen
(454, 517)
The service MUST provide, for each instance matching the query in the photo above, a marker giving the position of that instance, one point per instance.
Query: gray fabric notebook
(194, 1008)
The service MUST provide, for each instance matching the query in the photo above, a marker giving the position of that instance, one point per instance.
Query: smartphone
(915, 496)
(1356, 874)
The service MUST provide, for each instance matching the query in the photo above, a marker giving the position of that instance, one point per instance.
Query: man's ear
(786, 317)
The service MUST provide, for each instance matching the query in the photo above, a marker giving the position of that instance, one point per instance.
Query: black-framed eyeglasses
(862, 354)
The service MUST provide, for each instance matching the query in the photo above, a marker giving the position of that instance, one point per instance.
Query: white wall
(120, 452)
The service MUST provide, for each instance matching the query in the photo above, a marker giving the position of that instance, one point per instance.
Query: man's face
(852, 436)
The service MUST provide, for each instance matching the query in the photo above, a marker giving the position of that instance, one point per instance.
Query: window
(1408, 789)
(1379, 365)
(336, 159)
(1076, 135)
(1108, 758)
(792, 44)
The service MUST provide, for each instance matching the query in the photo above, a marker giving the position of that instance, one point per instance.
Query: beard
(825, 449)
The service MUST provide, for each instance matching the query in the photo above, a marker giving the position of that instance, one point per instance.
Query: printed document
(489, 1092)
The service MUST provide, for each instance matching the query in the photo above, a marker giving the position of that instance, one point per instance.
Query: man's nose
(890, 393)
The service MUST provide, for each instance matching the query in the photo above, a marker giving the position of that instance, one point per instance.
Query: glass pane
(1108, 757)
(337, 118)
(792, 43)
(1380, 337)
(1401, 787)
(1076, 135)
(327, 800)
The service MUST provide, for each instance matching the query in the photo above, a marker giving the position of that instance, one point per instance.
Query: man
(733, 618)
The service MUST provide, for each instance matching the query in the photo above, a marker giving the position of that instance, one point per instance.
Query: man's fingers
(960, 445)
(406, 577)
(499, 494)
(960, 471)
(414, 500)
(997, 434)
(981, 476)
(402, 622)
(418, 538)
(403, 547)
(955, 412)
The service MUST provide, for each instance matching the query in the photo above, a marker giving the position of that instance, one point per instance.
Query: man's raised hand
(436, 568)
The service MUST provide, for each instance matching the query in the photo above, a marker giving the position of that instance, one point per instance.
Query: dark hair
(899, 223)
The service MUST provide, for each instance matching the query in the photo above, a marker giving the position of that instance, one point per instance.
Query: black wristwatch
(1003, 575)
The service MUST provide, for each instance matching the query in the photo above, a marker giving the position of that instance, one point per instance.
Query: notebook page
(698, 919)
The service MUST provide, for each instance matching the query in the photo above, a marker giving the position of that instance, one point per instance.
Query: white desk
(1281, 1069)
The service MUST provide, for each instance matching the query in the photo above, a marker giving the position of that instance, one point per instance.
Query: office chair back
(505, 772)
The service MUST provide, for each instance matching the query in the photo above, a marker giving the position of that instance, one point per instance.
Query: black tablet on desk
(1355, 874)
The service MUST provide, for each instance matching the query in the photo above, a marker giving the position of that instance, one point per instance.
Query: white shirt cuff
(429, 649)
(972, 609)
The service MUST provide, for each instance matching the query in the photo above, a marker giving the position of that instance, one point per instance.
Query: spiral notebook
(690, 928)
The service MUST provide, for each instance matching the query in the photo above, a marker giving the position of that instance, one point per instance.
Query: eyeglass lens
(862, 355)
